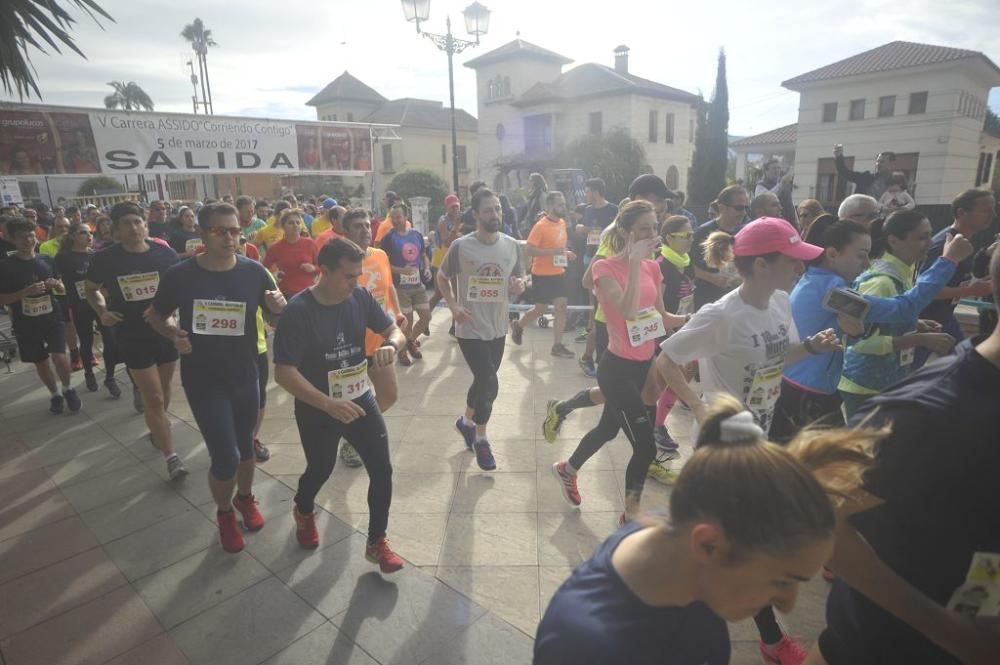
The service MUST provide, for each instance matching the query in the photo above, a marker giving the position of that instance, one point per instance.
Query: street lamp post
(477, 21)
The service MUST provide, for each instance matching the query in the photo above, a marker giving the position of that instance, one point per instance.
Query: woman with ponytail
(749, 522)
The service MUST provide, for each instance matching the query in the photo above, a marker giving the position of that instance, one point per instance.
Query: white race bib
(139, 287)
(350, 382)
(647, 325)
(486, 289)
(381, 303)
(36, 305)
(594, 237)
(81, 289)
(906, 357)
(765, 389)
(686, 305)
(219, 317)
(979, 596)
(409, 280)
(560, 260)
(193, 245)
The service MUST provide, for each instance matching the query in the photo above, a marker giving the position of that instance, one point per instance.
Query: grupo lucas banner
(39, 140)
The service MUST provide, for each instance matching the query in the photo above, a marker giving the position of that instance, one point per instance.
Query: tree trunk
(211, 108)
(201, 71)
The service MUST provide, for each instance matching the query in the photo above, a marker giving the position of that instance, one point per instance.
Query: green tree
(613, 156)
(25, 23)
(421, 182)
(91, 186)
(992, 123)
(200, 39)
(128, 97)
(711, 152)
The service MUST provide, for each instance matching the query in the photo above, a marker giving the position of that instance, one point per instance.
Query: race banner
(42, 141)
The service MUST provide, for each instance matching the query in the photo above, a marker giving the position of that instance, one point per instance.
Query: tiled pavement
(102, 560)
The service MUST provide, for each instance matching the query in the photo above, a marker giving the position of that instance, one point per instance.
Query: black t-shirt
(16, 274)
(596, 218)
(179, 238)
(73, 266)
(595, 619)
(131, 280)
(468, 222)
(318, 339)
(159, 230)
(937, 473)
(677, 284)
(214, 308)
(6, 247)
(706, 292)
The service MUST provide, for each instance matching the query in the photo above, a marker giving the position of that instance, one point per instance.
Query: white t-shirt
(740, 349)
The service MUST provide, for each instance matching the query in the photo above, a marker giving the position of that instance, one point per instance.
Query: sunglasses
(219, 231)
(686, 235)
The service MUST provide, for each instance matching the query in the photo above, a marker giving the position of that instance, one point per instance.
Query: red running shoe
(229, 532)
(785, 652)
(380, 553)
(567, 484)
(252, 519)
(305, 529)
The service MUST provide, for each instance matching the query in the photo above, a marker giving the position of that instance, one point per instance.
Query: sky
(272, 57)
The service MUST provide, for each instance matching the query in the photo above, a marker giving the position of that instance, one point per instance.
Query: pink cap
(452, 200)
(771, 234)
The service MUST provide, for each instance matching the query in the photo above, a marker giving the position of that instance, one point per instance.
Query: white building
(926, 103)
(528, 109)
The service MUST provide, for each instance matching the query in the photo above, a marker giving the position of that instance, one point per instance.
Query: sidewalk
(102, 560)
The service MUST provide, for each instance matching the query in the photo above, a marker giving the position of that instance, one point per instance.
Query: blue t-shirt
(222, 299)
(404, 250)
(116, 269)
(594, 619)
(318, 339)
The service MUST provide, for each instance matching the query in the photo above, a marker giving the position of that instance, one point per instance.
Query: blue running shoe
(468, 432)
(484, 456)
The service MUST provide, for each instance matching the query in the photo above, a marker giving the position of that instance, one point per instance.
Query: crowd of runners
(852, 432)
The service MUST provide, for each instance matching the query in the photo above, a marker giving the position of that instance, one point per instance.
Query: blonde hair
(718, 249)
(288, 214)
(628, 215)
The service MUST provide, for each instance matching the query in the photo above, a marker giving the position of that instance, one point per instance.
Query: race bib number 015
(486, 289)
(219, 317)
(139, 287)
(350, 382)
(647, 325)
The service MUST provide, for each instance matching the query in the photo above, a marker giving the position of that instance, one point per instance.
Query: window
(506, 86)
(887, 106)
(596, 121)
(350, 117)
(538, 134)
(654, 126)
(918, 103)
(334, 118)
(387, 157)
(444, 154)
(857, 110)
(669, 131)
(490, 91)
(462, 162)
(830, 112)
(673, 176)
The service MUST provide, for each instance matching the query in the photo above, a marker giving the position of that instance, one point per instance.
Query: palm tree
(27, 23)
(200, 40)
(128, 96)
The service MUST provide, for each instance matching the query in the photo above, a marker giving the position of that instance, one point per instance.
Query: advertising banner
(39, 141)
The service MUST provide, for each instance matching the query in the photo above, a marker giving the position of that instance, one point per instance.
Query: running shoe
(94, 362)
(403, 358)
(175, 467)
(305, 529)
(56, 404)
(252, 519)
(73, 402)
(414, 348)
(137, 402)
(567, 484)
(379, 552)
(260, 452)
(785, 652)
(581, 338)
(468, 432)
(661, 473)
(553, 421)
(112, 385)
(516, 332)
(229, 531)
(663, 439)
(484, 455)
(350, 455)
(560, 351)
(587, 367)
(91, 381)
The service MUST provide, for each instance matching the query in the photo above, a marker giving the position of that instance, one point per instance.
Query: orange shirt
(376, 276)
(383, 231)
(548, 234)
(326, 236)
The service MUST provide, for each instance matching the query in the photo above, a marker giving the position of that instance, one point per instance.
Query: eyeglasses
(686, 235)
(219, 231)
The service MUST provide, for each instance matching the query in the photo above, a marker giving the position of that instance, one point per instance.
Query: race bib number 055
(139, 287)
(219, 317)
(350, 382)
(486, 289)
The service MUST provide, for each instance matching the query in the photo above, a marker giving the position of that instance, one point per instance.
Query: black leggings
(369, 437)
(621, 381)
(483, 357)
(84, 319)
(226, 415)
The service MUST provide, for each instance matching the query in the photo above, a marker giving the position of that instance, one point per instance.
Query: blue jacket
(821, 373)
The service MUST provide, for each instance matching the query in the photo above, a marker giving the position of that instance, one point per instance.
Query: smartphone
(847, 303)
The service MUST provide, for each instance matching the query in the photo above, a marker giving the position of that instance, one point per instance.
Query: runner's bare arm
(163, 324)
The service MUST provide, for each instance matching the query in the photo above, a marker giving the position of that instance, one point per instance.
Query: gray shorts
(411, 299)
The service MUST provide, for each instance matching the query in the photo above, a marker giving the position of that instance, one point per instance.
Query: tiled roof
(593, 80)
(889, 57)
(518, 47)
(786, 134)
(422, 113)
(346, 88)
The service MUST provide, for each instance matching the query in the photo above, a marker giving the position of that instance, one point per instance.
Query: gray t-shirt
(484, 273)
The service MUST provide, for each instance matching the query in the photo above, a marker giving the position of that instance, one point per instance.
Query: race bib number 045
(139, 287)
(350, 382)
(647, 325)
(219, 317)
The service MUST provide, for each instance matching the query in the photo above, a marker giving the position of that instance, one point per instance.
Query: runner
(377, 278)
(335, 215)
(28, 286)
(328, 220)
(272, 231)
(216, 295)
(185, 239)
(712, 283)
(293, 258)
(749, 522)
(448, 230)
(488, 267)
(156, 220)
(597, 216)
(405, 248)
(130, 271)
(319, 357)
(546, 245)
(261, 452)
(50, 248)
(628, 287)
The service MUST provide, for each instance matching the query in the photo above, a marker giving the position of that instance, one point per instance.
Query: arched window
(506, 86)
(489, 90)
(672, 178)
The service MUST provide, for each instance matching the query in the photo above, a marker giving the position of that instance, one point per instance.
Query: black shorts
(37, 340)
(263, 374)
(143, 352)
(546, 288)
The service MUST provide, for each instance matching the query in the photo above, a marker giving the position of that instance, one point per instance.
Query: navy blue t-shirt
(706, 292)
(597, 218)
(944, 310)
(405, 249)
(318, 339)
(211, 305)
(16, 274)
(594, 619)
(131, 280)
(72, 267)
(179, 239)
